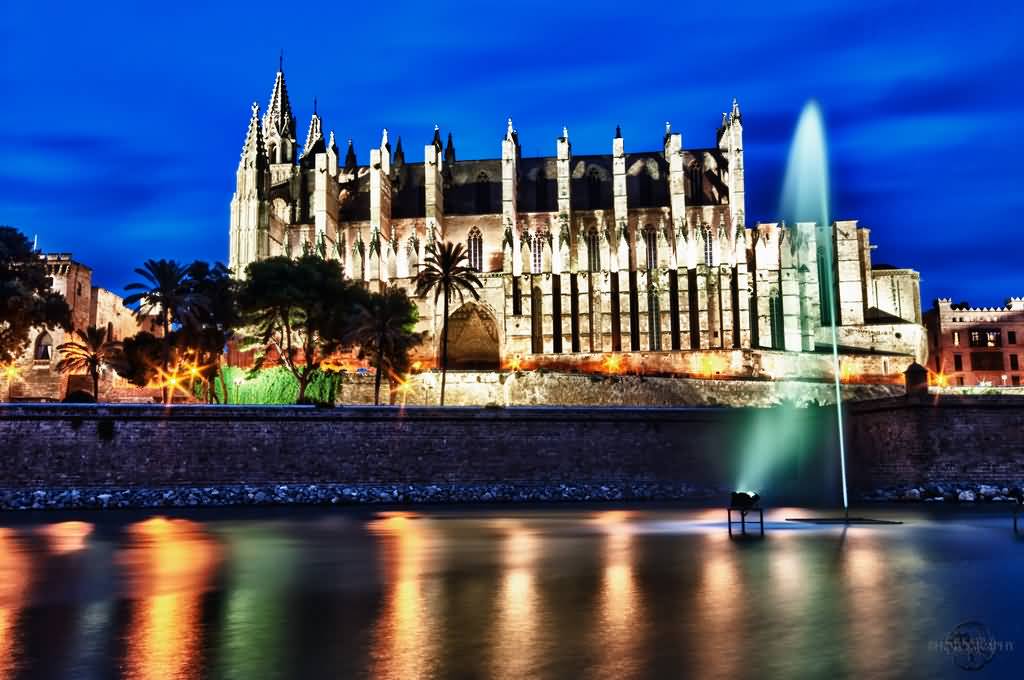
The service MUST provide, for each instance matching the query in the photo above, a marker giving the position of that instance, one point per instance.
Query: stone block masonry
(131, 445)
(368, 454)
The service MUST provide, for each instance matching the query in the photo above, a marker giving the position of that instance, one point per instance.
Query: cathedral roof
(253, 148)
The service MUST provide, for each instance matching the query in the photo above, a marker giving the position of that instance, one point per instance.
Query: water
(499, 594)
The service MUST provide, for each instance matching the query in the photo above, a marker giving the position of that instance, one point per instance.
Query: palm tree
(165, 290)
(384, 331)
(446, 271)
(92, 349)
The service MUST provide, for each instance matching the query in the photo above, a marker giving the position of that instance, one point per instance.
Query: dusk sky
(122, 123)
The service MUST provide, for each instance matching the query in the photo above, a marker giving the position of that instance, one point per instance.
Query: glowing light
(416, 365)
(515, 363)
(613, 363)
(11, 372)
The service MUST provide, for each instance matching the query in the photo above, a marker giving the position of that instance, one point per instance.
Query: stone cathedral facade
(581, 255)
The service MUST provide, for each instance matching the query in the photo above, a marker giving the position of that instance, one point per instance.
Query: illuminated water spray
(805, 198)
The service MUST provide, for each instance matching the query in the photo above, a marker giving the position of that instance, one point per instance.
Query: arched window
(483, 194)
(44, 347)
(594, 189)
(651, 241)
(537, 253)
(696, 175)
(645, 185)
(476, 249)
(541, 191)
(593, 250)
(709, 250)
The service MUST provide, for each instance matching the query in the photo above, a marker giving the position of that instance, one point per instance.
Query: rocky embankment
(950, 493)
(339, 494)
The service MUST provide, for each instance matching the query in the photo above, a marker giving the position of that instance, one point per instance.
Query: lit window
(651, 240)
(956, 338)
(476, 249)
(709, 251)
(536, 253)
(593, 250)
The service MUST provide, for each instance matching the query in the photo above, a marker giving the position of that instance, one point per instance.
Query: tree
(384, 331)
(139, 358)
(89, 353)
(300, 309)
(166, 290)
(446, 272)
(26, 300)
(211, 325)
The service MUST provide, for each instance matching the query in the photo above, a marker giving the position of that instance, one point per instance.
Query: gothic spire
(436, 141)
(565, 132)
(618, 132)
(350, 158)
(399, 152)
(278, 117)
(253, 148)
(509, 132)
(315, 136)
(449, 152)
(331, 145)
(384, 143)
(735, 109)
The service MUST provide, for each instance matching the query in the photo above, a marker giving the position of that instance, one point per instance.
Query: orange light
(415, 366)
(515, 363)
(194, 372)
(11, 372)
(613, 363)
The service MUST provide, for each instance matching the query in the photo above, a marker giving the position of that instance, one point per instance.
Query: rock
(966, 496)
(912, 495)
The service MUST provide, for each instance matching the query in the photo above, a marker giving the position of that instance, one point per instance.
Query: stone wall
(129, 445)
(946, 440)
(539, 388)
(787, 453)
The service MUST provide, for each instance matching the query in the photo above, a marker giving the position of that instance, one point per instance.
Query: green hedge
(272, 386)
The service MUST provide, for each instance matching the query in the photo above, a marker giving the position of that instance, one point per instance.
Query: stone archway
(473, 339)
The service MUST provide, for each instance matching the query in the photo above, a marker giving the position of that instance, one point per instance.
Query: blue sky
(122, 124)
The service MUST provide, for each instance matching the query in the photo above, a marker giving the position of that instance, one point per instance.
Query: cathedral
(643, 253)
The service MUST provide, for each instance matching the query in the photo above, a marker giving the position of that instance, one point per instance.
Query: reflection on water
(405, 639)
(167, 567)
(615, 594)
(14, 578)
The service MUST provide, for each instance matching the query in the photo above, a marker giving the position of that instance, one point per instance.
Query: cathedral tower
(249, 235)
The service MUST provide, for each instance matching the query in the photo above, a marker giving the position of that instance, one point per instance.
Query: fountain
(806, 198)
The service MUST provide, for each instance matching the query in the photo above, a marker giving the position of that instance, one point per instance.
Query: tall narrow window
(651, 241)
(536, 320)
(956, 338)
(775, 318)
(476, 249)
(594, 189)
(541, 196)
(593, 250)
(709, 250)
(696, 175)
(653, 318)
(483, 194)
(537, 253)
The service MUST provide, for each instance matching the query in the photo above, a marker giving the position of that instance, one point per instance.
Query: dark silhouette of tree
(88, 353)
(26, 299)
(384, 330)
(211, 325)
(446, 272)
(300, 309)
(139, 358)
(167, 291)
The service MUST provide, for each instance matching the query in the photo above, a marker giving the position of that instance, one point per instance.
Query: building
(977, 346)
(639, 252)
(35, 376)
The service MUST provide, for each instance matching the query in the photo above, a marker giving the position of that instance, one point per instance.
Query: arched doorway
(472, 339)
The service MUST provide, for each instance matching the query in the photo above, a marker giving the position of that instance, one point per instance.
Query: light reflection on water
(516, 594)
